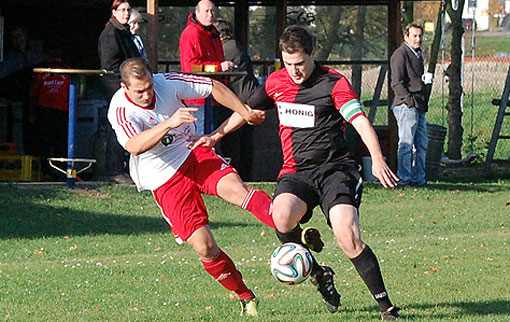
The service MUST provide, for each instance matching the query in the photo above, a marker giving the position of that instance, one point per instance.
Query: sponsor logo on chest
(296, 115)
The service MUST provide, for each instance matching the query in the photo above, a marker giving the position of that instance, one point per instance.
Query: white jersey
(156, 166)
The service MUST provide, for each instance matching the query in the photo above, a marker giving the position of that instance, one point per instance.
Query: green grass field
(106, 255)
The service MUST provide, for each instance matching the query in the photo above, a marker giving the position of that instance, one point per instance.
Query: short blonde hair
(135, 16)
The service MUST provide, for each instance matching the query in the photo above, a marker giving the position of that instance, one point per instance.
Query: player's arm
(379, 167)
(231, 124)
(258, 99)
(147, 139)
(223, 95)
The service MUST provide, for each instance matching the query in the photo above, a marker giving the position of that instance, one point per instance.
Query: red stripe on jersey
(126, 126)
(189, 78)
(150, 107)
(286, 94)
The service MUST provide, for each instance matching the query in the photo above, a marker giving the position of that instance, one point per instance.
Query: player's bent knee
(206, 250)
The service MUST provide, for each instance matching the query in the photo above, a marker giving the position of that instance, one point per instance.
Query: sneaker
(249, 307)
(323, 279)
(390, 314)
(311, 238)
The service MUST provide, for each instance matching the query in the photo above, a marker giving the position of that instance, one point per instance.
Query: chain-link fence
(483, 81)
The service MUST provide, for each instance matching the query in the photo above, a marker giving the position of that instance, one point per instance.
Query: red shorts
(180, 197)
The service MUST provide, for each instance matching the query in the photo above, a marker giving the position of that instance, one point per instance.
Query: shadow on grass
(451, 186)
(22, 218)
(456, 310)
(463, 309)
(479, 187)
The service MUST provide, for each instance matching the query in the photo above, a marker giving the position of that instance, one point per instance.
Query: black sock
(294, 236)
(368, 268)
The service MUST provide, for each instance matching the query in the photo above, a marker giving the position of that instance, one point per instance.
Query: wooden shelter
(76, 25)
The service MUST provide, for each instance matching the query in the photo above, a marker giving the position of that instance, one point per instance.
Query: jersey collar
(150, 107)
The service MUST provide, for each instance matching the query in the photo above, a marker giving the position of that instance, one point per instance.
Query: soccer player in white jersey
(152, 123)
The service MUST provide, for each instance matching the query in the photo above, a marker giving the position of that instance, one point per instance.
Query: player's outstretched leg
(311, 238)
(249, 307)
(321, 276)
(223, 270)
(368, 268)
(260, 205)
(390, 314)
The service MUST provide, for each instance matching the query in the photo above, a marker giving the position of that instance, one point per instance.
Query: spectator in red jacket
(200, 45)
(48, 112)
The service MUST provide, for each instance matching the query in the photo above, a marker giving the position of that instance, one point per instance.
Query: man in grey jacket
(409, 106)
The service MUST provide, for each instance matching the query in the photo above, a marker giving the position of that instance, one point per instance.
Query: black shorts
(327, 186)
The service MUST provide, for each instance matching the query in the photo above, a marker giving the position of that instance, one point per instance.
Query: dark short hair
(296, 39)
(412, 25)
(138, 68)
(224, 28)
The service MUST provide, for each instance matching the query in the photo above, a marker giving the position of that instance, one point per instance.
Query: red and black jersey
(312, 116)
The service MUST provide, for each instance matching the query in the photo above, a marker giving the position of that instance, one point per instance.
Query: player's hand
(227, 65)
(205, 140)
(256, 117)
(182, 116)
(381, 171)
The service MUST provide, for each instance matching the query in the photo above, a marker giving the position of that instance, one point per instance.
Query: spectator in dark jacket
(409, 107)
(115, 45)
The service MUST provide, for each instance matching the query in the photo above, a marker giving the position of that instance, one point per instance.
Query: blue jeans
(412, 144)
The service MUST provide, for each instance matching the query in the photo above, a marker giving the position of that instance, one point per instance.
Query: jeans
(412, 144)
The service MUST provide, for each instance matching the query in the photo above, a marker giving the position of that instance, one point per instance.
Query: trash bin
(436, 134)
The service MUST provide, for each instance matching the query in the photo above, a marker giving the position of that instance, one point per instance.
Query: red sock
(260, 205)
(224, 271)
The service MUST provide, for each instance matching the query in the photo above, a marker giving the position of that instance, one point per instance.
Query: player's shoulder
(277, 79)
(328, 72)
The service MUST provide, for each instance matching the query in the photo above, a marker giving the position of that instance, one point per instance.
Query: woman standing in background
(115, 46)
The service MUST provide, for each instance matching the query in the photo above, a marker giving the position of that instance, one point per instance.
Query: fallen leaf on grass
(482, 246)
(7, 317)
(73, 248)
(397, 216)
(400, 195)
(96, 309)
(411, 219)
(432, 222)
(262, 233)
(38, 251)
(431, 270)
(208, 307)
(118, 272)
(135, 308)
(157, 249)
(270, 296)
(163, 276)
(67, 237)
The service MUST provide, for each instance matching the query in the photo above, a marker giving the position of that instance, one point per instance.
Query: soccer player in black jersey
(314, 103)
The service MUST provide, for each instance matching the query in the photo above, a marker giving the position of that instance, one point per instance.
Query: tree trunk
(454, 105)
(434, 51)
(357, 49)
(331, 34)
